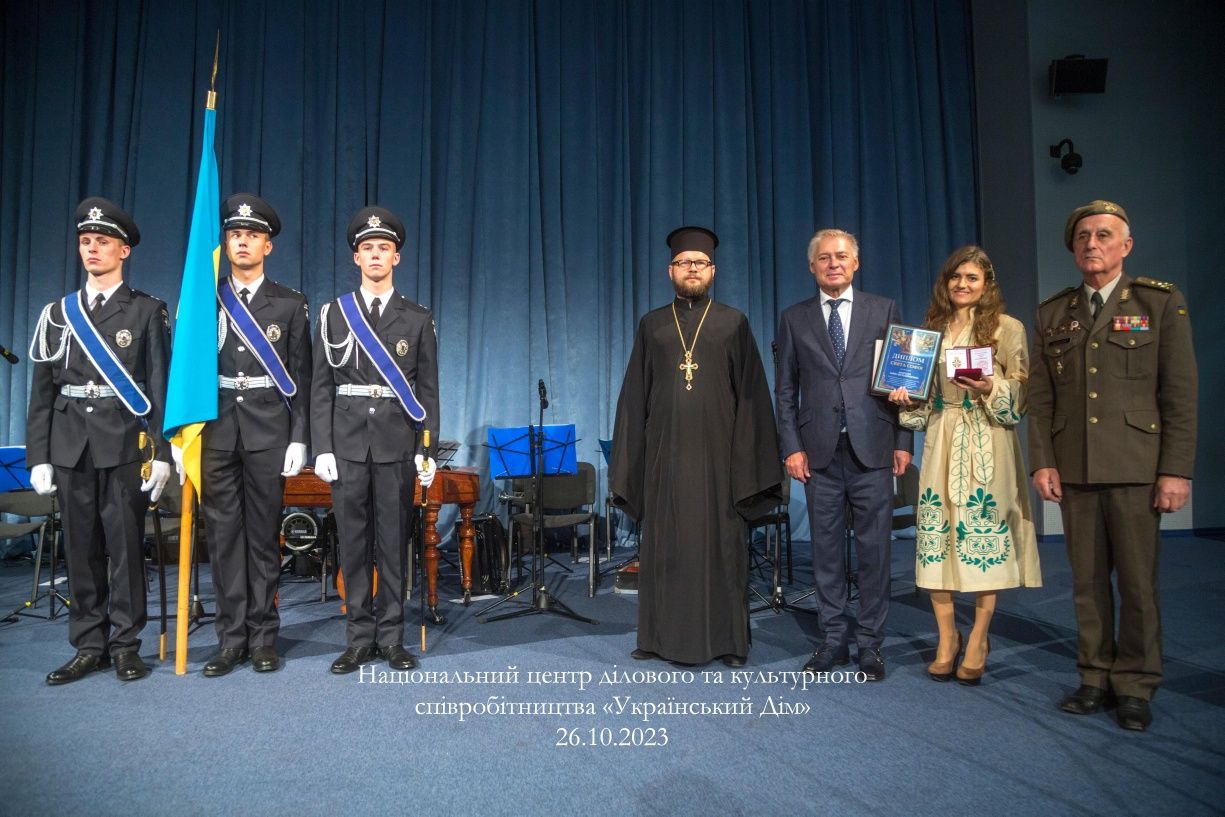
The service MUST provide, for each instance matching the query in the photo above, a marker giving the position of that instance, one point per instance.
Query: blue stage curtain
(538, 152)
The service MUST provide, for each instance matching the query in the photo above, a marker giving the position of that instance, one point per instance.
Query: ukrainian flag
(191, 396)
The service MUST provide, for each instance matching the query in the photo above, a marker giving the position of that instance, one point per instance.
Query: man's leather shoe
(399, 658)
(1133, 713)
(129, 667)
(1084, 701)
(82, 664)
(642, 655)
(265, 659)
(872, 665)
(224, 661)
(826, 658)
(733, 661)
(351, 659)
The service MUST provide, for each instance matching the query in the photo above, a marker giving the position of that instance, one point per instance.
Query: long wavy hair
(987, 311)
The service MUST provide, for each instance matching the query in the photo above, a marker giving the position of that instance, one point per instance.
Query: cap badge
(244, 210)
(374, 221)
(1110, 208)
(95, 213)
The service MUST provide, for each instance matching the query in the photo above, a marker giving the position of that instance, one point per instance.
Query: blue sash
(244, 324)
(101, 355)
(360, 328)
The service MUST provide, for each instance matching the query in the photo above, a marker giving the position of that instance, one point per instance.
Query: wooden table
(454, 486)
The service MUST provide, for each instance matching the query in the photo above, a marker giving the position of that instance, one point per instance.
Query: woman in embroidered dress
(974, 532)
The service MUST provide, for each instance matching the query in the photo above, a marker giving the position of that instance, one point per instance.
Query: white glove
(325, 467)
(295, 458)
(42, 477)
(157, 480)
(176, 454)
(426, 470)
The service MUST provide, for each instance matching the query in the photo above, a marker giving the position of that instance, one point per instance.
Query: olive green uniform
(1112, 406)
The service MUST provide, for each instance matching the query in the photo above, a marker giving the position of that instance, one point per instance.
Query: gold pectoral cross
(688, 367)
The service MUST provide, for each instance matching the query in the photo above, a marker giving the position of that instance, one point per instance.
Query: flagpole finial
(211, 102)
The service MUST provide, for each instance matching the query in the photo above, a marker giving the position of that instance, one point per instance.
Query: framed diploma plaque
(908, 358)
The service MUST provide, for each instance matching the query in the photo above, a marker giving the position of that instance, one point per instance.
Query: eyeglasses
(700, 264)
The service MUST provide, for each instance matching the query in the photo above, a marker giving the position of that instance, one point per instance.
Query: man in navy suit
(843, 443)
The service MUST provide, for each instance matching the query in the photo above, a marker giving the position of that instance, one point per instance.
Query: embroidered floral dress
(973, 526)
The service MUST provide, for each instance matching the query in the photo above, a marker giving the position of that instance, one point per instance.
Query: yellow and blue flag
(191, 396)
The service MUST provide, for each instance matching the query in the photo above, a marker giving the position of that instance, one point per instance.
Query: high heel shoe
(970, 676)
(943, 670)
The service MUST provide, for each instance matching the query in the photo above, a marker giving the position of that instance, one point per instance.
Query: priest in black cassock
(694, 454)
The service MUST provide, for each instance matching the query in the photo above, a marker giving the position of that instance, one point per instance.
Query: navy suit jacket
(810, 388)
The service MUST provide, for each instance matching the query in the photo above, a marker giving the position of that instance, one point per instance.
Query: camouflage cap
(1097, 207)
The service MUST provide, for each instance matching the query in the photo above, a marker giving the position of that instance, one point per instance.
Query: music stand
(15, 476)
(606, 450)
(533, 451)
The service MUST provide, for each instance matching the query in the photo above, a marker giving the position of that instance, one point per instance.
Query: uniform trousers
(103, 512)
(371, 501)
(243, 494)
(1115, 529)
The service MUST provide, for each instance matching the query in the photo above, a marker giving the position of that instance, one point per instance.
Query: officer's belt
(242, 382)
(352, 390)
(91, 391)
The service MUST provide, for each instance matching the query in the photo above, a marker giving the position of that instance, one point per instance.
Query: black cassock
(690, 466)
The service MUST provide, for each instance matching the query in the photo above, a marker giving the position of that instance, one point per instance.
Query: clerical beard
(691, 289)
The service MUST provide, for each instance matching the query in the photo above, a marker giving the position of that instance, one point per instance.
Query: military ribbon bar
(360, 328)
(244, 324)
(102, 356)
(1130, 323)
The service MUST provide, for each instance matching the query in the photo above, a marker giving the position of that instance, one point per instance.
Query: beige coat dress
(973, 526)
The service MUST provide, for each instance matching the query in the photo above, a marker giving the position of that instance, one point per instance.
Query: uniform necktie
(1096, 302)
(98, 301)
(836, 333)
(245, 294)
(375, 312)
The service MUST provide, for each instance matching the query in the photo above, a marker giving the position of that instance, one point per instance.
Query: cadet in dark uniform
(375, 382)
(1112, 439)
(258, 438)
(100, 359)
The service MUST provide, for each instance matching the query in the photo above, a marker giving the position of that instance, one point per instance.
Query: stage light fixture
(1071, 161)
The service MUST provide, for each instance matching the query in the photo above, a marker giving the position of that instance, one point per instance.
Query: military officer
(1112, 440)
(100, 383)
(375, 385)
(258, 438)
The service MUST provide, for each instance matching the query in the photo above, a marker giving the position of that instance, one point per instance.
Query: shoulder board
(1164, 286)
(414, 305)
(1059, 294)
(284, 291)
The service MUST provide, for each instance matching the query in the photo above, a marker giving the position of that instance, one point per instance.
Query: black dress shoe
(129, 667)
(872, 665)
(351, 659)
(82, 664)
(224, 661)
(733, 661)
(399, 658)
(265, 659)
(1133, 713)
(642, 655)
(1084, 701)
(826, 658)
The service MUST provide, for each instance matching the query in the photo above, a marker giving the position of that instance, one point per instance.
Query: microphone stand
(542, 600)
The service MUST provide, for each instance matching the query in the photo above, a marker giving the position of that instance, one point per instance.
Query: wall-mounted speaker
(1076, 75)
